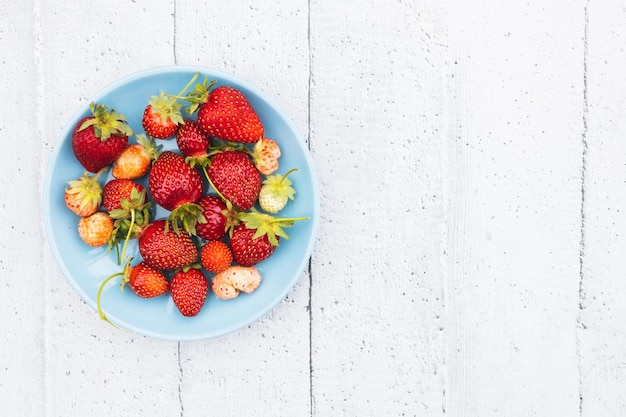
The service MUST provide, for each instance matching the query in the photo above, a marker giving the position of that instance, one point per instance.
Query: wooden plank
(377, 122)
(603, 289)
(264, 368)
(22, 389)
(515, 152)
(91, 367)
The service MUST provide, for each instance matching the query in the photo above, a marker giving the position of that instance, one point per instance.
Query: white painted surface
(472, 163)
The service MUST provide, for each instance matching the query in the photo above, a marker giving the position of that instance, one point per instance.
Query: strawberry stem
(188, 85)
(106, 281)
(130, 229)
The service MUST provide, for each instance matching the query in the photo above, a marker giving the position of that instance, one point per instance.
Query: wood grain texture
(469, 258)
(377, 137)
(515, 129)
(603, 351)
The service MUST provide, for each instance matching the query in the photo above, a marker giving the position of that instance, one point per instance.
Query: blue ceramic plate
(85, 268)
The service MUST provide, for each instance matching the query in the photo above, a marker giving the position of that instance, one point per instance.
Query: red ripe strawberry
(136, 159)
(118, 189)
(189, 290)
(163, 115)
(98, 140)
(220, 218)
(228, 115)
(145, 281)
(235, 177)
(257, 236)
(177, 187)
(191, 141)
(216, 256)
(164, 249)
(248, 250)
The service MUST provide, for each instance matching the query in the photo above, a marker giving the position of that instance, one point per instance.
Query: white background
(471, 254)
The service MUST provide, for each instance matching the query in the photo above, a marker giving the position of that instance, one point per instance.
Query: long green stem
(130, 229)
(100, 312)
(188, 84)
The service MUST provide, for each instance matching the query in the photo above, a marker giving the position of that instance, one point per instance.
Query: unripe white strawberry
(265, 156)
(275, 192)
(84, 195)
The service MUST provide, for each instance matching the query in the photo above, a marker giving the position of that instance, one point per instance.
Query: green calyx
(198, 95)
(130, 220)
(167, 107)
(88, 188)
(279, 185)
(106, 122)
(185, 216)
(266, 224)
(150, 147)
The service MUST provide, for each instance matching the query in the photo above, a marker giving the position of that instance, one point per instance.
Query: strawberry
(216, 256)
(145, 281)
(220, 218)
(189, 289)
(235, 279)
(118, 189)
(163, 115)
(265, 155)
(95, 230)
(275, 192)
(234, 177)
(192, 142)
(163, 249)
(136, 159)
(98, 140)
(177, 187)
(127, 204)
(257, 236)
(227, 114)
(84, 195)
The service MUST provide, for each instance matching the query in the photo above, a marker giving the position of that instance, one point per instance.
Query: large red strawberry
(164, 249)
(257, 236)
(177, 187)
(235, 178)
(189, 290)
(98, 140)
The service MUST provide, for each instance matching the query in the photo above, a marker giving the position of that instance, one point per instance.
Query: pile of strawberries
(213, 236)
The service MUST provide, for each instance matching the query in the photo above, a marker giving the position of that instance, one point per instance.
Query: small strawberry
(216, 256)
(265, 155)
(220, 218)
(84, 195)
(127, 203)
(177, 187)
(143, 280)
(225, 113)
(136, 159)
(257, 236)
(163, 249)
(235, 279)
(98, 140)
(189, 289)
(234, 176)
(163, 115)
(192, 142)
(96, 229)
(275, 192)
(118, 189)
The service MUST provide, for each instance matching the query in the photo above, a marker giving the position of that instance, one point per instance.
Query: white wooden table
(471, 256)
